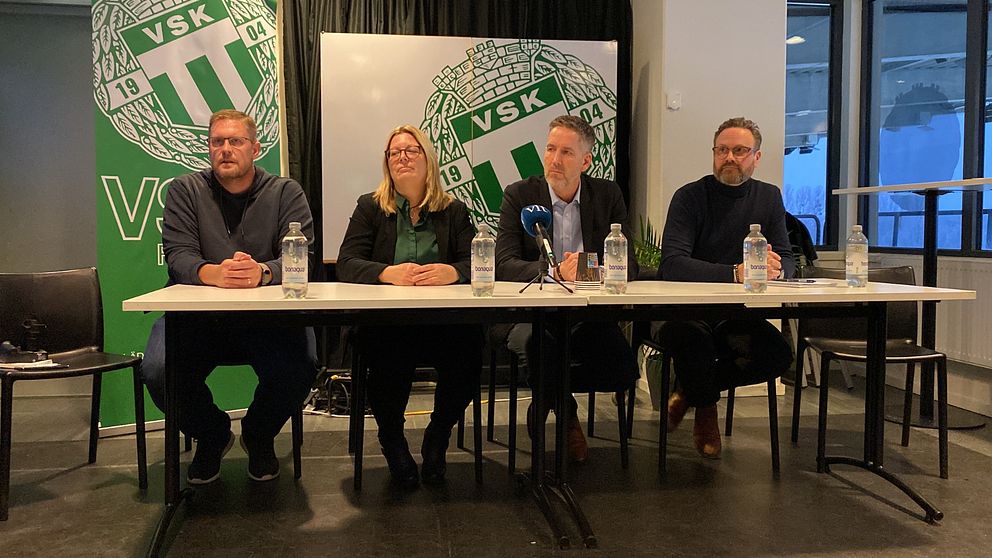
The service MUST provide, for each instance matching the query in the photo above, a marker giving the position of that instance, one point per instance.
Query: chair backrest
(901, 316)
(67, 304)
(802, 242)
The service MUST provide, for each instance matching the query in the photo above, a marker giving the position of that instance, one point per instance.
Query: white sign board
(484, 103)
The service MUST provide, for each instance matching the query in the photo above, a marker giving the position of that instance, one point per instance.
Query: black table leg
(561, 487)
(874, 437)
(535, 479)
(926, 417)
(173, 494)
(929, 315)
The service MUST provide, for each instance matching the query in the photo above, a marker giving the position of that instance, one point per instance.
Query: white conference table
(352, 304)
(340, 304)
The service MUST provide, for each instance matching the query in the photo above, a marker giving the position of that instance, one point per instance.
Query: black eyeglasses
(739, 151)
(235, 141)
(412, 152)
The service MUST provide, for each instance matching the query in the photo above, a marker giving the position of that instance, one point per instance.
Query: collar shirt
(415, 243)
(566, 224)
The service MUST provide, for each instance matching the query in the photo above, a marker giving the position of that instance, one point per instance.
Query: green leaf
(647, 246)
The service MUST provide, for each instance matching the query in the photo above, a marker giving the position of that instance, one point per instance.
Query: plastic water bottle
(294, 263)
(856, 260)
(615, 261)
(483, 262)
(755, 261)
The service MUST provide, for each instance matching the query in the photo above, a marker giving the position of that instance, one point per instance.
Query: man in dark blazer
(583, 208)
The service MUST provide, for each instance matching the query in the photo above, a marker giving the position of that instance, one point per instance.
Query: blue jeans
(284, 359)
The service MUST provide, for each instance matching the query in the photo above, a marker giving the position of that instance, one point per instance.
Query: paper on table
(803, 283)
(26, 365)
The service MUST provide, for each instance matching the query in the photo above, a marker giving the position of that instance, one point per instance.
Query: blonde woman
(411, 232)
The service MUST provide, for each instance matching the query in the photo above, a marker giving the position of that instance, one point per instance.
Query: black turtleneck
(706, 225)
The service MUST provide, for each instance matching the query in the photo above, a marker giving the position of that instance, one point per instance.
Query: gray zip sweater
(194, 232)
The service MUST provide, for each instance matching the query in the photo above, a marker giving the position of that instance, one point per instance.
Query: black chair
(512, 402)
(60, 312)
(844, 340)
(666, 375)
(497, 341)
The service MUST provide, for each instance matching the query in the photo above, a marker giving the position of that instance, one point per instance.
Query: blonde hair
(231, 114)
(435, 199)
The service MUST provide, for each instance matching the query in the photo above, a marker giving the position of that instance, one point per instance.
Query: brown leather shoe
(677, 407)
(578, 449)
(706, 432)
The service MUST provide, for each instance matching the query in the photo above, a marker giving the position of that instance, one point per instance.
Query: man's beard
(232, 174)
(556, 181)
(732, 174)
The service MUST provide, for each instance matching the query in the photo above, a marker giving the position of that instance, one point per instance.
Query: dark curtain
(304, 20)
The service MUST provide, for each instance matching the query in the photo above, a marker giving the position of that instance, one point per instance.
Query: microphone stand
(542, 273)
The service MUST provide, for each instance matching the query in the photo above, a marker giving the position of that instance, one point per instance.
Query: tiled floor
(730, 507)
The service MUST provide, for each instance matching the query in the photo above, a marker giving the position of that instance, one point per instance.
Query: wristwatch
(266, 275)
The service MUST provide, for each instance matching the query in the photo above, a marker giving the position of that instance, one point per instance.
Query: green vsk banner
(160, 69)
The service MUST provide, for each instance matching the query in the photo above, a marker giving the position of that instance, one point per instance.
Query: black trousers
(392, 354)
(602, 359)
(710, 357)
(284, 359)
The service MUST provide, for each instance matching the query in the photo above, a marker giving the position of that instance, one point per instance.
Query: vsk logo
(161, 68)
(489, 118)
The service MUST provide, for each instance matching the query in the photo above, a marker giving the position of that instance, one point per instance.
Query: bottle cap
(755, 227)
(615, 226)
(856, 228)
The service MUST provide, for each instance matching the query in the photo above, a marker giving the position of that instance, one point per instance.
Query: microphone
(535, 219)
(532, 215)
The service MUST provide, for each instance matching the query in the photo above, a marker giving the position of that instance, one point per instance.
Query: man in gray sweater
(223, 227)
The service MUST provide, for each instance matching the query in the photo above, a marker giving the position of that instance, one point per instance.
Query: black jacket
(369, 244)
(517, 258)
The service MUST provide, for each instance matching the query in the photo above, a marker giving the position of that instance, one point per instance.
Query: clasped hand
(415, 274)
(240, 271)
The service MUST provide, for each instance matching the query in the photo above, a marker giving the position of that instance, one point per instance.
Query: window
(809, 167)
(917, 109)
(925, 71)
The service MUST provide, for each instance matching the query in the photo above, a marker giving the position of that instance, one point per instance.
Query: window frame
(973, 144)
(834, 118)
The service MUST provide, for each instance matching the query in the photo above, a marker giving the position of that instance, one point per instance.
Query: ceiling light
(795, 40)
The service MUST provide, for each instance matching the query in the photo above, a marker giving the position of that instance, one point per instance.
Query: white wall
(725, 58)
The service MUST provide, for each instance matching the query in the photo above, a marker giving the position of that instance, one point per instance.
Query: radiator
(964, 329)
